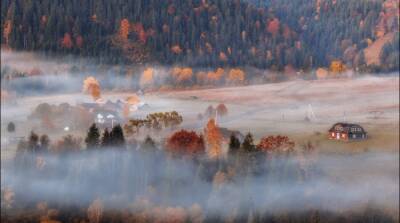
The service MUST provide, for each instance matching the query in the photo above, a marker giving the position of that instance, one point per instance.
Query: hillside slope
(278, 35)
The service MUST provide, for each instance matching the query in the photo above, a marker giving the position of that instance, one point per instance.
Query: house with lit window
(347, 132)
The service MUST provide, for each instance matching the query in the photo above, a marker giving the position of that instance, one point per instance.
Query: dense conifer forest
(268, 34)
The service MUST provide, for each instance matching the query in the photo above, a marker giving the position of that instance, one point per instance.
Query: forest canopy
(267, 34)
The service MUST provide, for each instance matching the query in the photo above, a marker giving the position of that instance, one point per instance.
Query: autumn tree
(222, 56)
(222, 110)
(7, 30)
(67, 41)
(124, 29)
(92, 86)
(213, 139)
(183, 75)
(321, 73)
(337, 67)
(185, 143)
(147, 77)
(276, 144)
(273, 26)
(236, 76)
(79, 41)
(176, 49)
(215, 77)
(140, 32)
(201, 77)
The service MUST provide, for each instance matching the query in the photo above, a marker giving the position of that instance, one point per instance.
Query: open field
(272, 109)
(267, 109)
(281, 109)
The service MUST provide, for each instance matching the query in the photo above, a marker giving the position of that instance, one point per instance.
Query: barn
(347, 132)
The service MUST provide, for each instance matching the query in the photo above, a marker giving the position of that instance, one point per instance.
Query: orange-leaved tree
(147, 77)
(279, 144)
(215, 77)
(236, 76)
(66, 42)
(185, 142)
(213, 140)
(92, 87)
(273, 26)
(124, 29)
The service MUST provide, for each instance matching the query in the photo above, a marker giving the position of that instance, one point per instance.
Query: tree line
(214, 33)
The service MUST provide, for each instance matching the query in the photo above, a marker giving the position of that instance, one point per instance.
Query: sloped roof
(347, 127)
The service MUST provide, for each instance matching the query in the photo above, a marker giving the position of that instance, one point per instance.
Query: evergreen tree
(33, 142)
(106, 139)
(44, 143)
(252, 156)
(148, 145)
(248, 143)
(93, 137)
(234, 145)
(11, 127)
(117, 137)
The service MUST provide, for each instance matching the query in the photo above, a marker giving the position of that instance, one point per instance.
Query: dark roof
(347, 127)
(89, 105)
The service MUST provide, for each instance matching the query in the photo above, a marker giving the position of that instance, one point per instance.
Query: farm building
(347, 131)
(104, 115)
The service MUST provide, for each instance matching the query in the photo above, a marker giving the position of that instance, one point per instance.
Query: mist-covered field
(337, 177)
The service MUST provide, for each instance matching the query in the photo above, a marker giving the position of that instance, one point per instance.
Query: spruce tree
(93, 137)
(33, 142)
(44, 143)
(11, 127)
(251, 155)
(234, 145)
(117, 137)
(106, 139)
(148, 145)
(248, 143)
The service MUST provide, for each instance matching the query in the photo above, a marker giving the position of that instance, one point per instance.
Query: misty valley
(200, 111)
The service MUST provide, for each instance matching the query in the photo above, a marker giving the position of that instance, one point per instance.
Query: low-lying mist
(335, 183)
(34, 74)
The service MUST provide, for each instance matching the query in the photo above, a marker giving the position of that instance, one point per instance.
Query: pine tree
(11, 127)
(248, 143)
(33, 142)
(252, 158)
(149, 145)
(44, 143)
(93, 137)
(106, 139)
(234, 145)
(117, 137)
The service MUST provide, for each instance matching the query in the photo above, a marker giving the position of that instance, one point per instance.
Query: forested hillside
(273, 34)
(343, 29)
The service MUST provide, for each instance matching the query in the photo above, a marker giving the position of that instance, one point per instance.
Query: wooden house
(347, 132)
